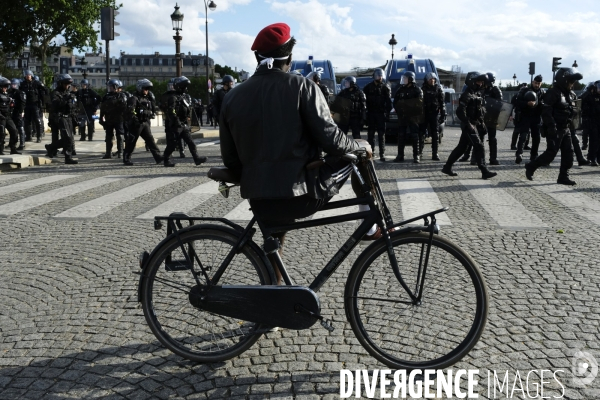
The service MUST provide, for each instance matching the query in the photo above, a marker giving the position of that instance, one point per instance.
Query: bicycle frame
(377, 214)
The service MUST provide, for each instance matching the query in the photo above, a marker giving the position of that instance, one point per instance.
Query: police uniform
(378, 106)
(434, 109)
(140, 110)
(408, 126)
(17, 114)
(528, 120)
(112, 109)
(6, 121)
(62, 114)
(34, 100)
(493, 92)
(357, 109)
(590, 112)
(90, 100)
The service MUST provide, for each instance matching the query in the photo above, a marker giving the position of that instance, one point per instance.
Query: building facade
(161, 67)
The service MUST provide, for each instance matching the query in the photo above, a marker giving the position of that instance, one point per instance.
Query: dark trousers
(90, 125)
(593, 132)
(136, 130)
(354, 125)
(405, 132)
(18, 120)
(431, 125)
(114, 129)
(175, 136)
(523, 127)
(32, 116)
(492, 142)
(62, 136)
(473, 138)
(560, 141)
(376, 123)
(9, 125)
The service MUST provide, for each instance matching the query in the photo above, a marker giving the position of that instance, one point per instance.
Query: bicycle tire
(192, 333)
(454, 305)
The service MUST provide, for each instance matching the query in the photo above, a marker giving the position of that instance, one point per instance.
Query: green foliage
(225, 71)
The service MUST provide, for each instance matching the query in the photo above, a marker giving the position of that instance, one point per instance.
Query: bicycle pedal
(325, 323)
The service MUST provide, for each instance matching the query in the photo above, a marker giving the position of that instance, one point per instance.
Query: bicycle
(413, 299)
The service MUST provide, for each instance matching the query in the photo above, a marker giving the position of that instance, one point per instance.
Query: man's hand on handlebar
(366, 146)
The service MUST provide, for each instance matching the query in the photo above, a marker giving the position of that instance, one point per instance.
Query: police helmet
(4, 82)
(408, 77)
(564, 76)
(170, 85)
(314, 76)
(143, 84)
(228, 79)
(28, 72)
(491, 78)
(113, 84)
(530, 96)
(378, 73)
(64, 78)
(85, 82)
(349, 81)
(430, 75)
(473, 77)
(181, 84)
(15, 83)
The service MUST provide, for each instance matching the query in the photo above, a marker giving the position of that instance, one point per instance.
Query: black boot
(127, 159)
(448, 170)
(513, 142)
(529, 171)
(435, 157)
(82, 138)
(199, 159)
(518, 158)
(157, 157)
(70, 160)
(487, 174)
(563, 179)
(381, 157)
(465, 158)
(168, 163)
(416, 159)
(13, 150)
(108, 154)
(49, 152)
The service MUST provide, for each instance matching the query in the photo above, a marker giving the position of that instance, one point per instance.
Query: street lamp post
(212, 7)
(575, 64)
(177, 19)
(392, 43)
(515, 79)
(84, 67)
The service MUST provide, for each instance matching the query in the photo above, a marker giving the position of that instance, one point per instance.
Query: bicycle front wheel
(431, 334)
(190, 332)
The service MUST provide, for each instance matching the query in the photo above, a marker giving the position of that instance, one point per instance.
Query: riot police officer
(528, 116)
(228, 83)
(557, 114)
(494, 92)
(179, 111)
(316, 78)
(6, 121)
(34, 100)
(17, 114)
(434, 109)
(379, 104)
(112, 109)
(140, 110)
(62, 111)
(357, 99)
(408, 103)
(590, 112)
(470, 112)
(90, 100)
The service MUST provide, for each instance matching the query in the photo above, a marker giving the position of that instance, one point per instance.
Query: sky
(502, 37)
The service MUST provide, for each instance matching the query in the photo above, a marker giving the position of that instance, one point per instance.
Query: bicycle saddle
(223, 174)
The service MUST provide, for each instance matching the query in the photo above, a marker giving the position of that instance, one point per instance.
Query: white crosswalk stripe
(205, 144)
(184, 202)
(6, 177)
(104, 204)
(53, 195)
(241, 212)
(507, 211)
(417, 197)
(577, 202)
(17, 187)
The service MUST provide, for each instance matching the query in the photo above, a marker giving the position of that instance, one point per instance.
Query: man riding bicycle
(273, 129)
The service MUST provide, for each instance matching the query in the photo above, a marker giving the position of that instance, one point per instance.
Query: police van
(323, 66)
(394, 69)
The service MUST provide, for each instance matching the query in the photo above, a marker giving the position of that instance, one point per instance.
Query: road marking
(507, 211)
(184, 202)
(208, 143)
(17, 187)
(55, 194)
(417, 197)
(346, 193)
(104, 204)
(240, 213)
(577, 202)
(7, 177)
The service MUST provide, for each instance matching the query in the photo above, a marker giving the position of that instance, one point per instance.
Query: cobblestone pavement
(70, 325)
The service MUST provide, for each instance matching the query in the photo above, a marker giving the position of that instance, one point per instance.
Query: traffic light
(107, 23)
(555, 63)
(531, 68)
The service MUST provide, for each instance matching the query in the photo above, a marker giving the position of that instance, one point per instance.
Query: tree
(226, 71)
(48, 24)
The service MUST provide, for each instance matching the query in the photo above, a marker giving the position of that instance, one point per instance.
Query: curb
(194, 135)
(22, 161)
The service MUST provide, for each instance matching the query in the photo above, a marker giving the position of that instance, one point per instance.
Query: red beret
(271, 37)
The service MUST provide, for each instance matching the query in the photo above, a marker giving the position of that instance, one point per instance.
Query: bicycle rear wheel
(432, 335)
(190, 332)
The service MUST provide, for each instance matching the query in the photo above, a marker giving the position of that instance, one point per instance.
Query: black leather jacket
(271, 127)
(470, 108)
(378, 97)
(558, 109)
(357, 97)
